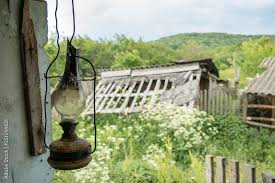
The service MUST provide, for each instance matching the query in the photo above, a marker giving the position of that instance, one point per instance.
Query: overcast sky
(152, 19)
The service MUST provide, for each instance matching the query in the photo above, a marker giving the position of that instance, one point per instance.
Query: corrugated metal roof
(264, 83)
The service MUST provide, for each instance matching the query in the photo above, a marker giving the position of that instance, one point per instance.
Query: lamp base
(69, 152)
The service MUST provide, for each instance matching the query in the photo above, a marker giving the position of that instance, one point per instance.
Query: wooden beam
(32, 83)
(261, 106)
(106, 97)
(249, 174)
(124, 105)
(250, 118)
(268, 178)
(155, 93)
(253, 123)
(146, 93)
(209, 168)
(234, 171)
(123, 91)
(220, 169)
(118, 86)
(137, 95)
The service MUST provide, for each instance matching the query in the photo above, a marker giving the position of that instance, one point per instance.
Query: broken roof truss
(133, 90)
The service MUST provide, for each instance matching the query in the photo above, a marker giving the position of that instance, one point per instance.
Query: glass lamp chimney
(68, 96)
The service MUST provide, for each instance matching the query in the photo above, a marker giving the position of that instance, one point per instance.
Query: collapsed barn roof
(264, 83)
(131, 89)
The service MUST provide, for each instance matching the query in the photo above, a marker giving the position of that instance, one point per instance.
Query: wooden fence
(232, 174)
(219, 101)
(263, 110)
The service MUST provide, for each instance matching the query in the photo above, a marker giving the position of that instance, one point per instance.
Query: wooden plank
(137, 94)
(123, 91)
(201, 101)
(90, 97)
(118, 86)
(213, 101)
(250, 118)
(32, 83)
(112, 74)
(234, 171)
(205, 99)
(99, 97)
(261, 106)
(164, 70)
(217, 101)
(220, 169)
(90, 104)
(244, 106)
(222, 102)
(106, 97)
(253, 123)
(268, 178)
(249, 175)
(155, 93)
(124, 105)
(209, 168)
(165, 85)
(146, 93)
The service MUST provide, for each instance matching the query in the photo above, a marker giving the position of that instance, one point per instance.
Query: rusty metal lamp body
(70, 152)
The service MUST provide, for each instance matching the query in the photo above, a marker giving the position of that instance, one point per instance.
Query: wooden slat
(201, 101)
(234, 171)
(106, 97)
(137, 94)
(156, 91)
(90, 97)
(123, 91)
(268, 178)
(124, 105)
(99, 98)
(165, 85)
(205, 98)
(253, 123)
(249, 174)
(90, 104)
(213, 101)
(250, 118)
(209, 169)
(217, 101)
(244, 106)
(260, 106)
(220, 169)
(146, 93)
(118, 86)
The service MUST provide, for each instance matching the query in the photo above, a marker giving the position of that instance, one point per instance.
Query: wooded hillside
(121, 52)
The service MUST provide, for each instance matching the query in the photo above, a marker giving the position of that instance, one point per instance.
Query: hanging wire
(73, 22)
(94, 88)
(47, 71)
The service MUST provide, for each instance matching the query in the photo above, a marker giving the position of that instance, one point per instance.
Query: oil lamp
(69, 152)
(68, 98)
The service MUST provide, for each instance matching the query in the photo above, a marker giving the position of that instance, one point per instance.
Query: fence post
(267, 178)
(249, 174)
(220, 169)
(234, 171)
(209, 171)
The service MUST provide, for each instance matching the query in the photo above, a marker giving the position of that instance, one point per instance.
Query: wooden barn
(258, 100)
(130, 90)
